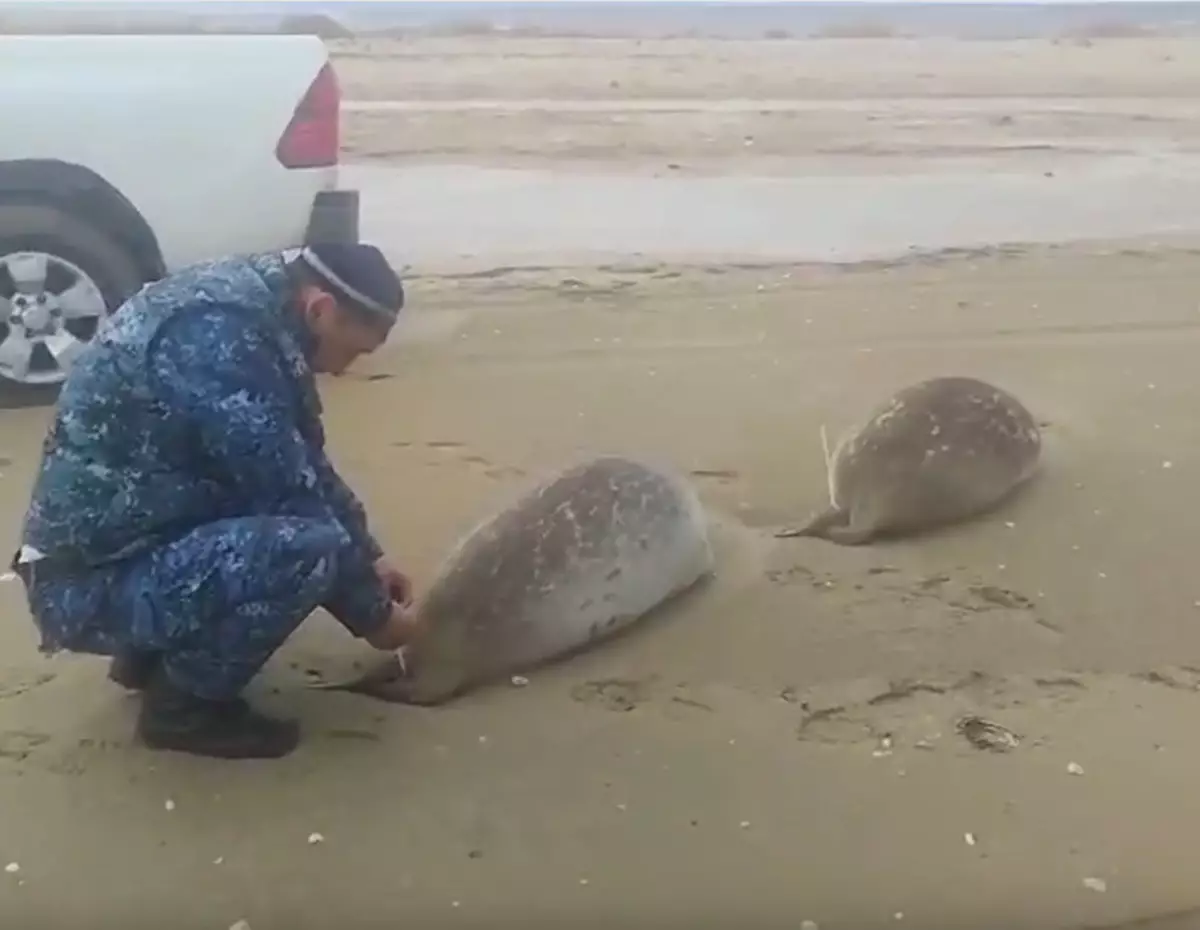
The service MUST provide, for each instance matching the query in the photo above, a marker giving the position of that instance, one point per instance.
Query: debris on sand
(1098, 885)
(986, 734)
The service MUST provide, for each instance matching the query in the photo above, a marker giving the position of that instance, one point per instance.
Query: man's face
(341, 335)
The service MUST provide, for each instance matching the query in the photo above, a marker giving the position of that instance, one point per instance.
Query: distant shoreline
(1114, 19)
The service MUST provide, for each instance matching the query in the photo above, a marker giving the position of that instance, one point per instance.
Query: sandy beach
(780, 749)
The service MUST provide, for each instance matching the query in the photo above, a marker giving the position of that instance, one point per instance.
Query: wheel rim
(49, 311)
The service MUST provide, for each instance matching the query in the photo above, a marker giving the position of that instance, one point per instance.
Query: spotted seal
(937, 452)
(572, 561)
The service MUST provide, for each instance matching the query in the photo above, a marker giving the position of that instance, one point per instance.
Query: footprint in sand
(491, 469)
(924, 715)
(721, 476)
(16, 681)
(802, 575)
(461, 455)
(1179, 678)
(63, 758)
(616, 694)
(18, 744)
(885, 582)
(622, 695)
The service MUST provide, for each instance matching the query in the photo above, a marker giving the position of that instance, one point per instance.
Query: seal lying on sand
(571, 562)
(936, 453)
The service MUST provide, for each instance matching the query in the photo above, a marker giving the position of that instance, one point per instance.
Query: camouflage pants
(216, 602)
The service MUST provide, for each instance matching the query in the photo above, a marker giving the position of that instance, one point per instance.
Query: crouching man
(185, 518)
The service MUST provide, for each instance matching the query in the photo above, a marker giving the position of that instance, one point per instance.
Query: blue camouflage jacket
(196, 401)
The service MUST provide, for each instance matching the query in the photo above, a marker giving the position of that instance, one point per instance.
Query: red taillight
(311, 139)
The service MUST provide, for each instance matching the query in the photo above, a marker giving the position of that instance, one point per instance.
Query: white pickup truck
(123, 158)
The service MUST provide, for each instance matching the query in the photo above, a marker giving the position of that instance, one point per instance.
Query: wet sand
(467, 217)
(781, 747)
(708, 105)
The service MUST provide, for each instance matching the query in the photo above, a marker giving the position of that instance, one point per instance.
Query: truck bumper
(334, 217)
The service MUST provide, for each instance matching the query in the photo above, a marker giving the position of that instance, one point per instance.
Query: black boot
(172, 719)
(133, 668)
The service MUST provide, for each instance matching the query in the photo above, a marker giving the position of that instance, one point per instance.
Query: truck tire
(59, 276)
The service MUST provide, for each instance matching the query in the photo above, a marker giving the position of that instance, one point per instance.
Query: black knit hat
(358, 274)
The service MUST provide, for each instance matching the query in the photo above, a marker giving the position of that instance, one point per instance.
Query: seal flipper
(386, 680)
(388, 683)
(819, 526)
(397, 683)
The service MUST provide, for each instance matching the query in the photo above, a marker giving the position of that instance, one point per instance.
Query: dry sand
(786, 738)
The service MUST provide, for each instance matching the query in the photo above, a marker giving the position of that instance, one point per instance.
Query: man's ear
(318, 305)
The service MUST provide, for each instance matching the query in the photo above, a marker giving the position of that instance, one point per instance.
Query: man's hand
(396, 582)
(402, 627)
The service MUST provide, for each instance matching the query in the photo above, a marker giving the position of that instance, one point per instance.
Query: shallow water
(493, 216)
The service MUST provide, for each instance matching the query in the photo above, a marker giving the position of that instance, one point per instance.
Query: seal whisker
(828, 464)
